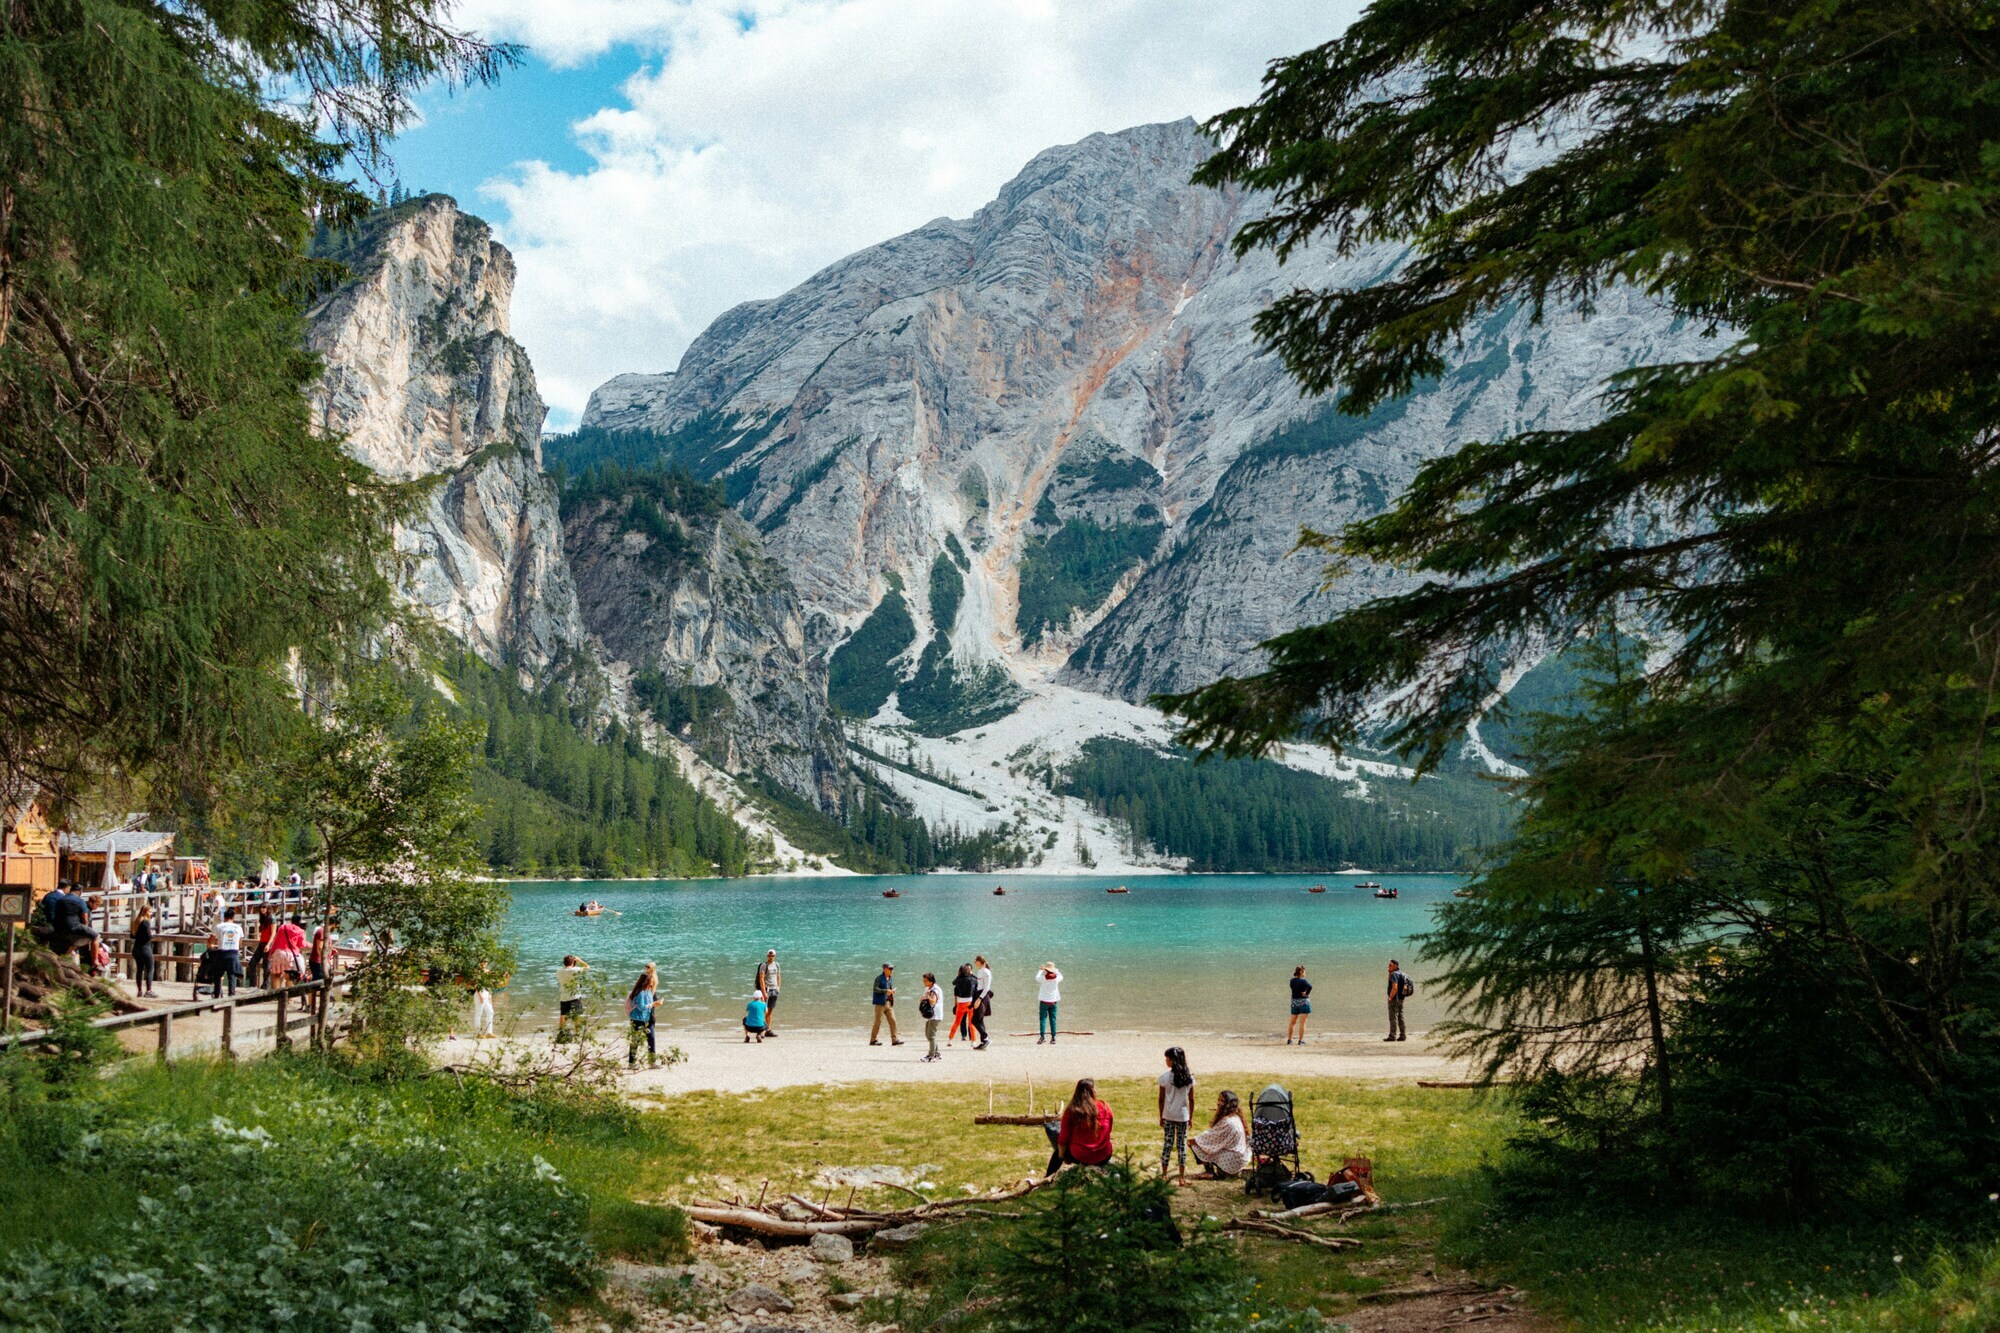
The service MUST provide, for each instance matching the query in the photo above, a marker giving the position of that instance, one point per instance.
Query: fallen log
(749, 1219)
(1012, 1119)
(1257, 1228)
(1390, 1207)
(1292, 1214)
(1481, 1083)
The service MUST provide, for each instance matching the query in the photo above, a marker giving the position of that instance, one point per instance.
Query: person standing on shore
(569, 992)
(964, 990)
(1400, 987)
(929, 1009)
(142, 949)
(639, 1003)
(1176, 1109)
(982, 1004)
(767, 981)
(482, 1006)
(885, 1006)
(1301, 1006)
(1048, 994)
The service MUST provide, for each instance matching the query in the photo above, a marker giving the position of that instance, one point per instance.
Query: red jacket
(1092, 1147)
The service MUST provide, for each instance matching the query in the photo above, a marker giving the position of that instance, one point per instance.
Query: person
(885, 1007)
(69, 924)
(1084, 1136)
(1400, 987)
(226, 940)
(1223, 1148)
(756, 1017)
(964, 990)
(1047, 995)
(767, 981)
(569, 992)
(482, 1006)
(931, 1008)
(639, 1004)
(1176, 1110)
(288, 952)
(1301, 1006)
(260, 957)
(982, 1003)
(324, 951)
(142, 949)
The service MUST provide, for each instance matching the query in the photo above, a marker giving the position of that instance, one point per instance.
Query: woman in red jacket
(1084, 1136)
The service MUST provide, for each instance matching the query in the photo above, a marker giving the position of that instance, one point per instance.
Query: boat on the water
(998, 891)
(1387, 893)
(1368, 884)
(1120, 889)
(1315, 888)
(591, 909)
(892, 893)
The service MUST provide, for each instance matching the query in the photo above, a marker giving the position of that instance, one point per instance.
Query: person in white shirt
(227, 941)
(982, 1000)
(1048, 993)
(1176, 1109)
(569, 990)
(931, 1009)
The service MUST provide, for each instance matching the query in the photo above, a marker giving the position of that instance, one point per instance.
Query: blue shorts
(1302, 1006)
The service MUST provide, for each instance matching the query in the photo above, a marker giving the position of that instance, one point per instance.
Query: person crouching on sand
(756, 1016)
(1084, 1136)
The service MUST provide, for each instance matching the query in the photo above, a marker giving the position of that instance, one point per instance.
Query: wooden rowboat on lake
(892, 893)
(1120, 889)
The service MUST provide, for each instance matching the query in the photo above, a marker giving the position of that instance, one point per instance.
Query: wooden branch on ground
(1257, 1228)
(1439, 1289)
(764, 1224)
(1359, 1209)
(1481, 1083)
(1011, 1119)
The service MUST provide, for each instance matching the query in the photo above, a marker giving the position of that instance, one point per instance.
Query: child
(1176, 1109)
(754, 1019)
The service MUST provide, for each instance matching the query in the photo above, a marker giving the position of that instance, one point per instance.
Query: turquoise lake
(1195, 953)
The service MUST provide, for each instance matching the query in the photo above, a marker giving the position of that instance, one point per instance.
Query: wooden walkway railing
(314, 1010)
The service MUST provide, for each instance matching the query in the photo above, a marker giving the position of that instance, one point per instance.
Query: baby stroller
(1274, 1142)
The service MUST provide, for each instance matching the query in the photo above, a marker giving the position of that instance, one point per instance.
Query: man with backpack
(1400, 989)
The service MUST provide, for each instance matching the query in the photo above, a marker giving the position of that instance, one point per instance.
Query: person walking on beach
(982, 1000)
(482, 1006)
(1048, 993)
(639, 1002)
(885, 1007)
(1084, 1136)
(930, 1008)
(1176, 1109)
(1400, 989)
(964, 990)
(767, 981)
(757, 1018)
(569, 993)
(1301, 1006)
(142, 949)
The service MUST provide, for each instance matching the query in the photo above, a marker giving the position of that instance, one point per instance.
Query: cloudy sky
(654, 162)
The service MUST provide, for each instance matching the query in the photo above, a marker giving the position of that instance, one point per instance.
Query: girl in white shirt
(1047, 994)
(1176, 1109)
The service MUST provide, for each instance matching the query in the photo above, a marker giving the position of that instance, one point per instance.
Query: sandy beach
(719, 1061)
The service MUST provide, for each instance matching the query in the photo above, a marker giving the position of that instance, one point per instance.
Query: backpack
(925, 1009)
(1405, 988)
(1300, 1192)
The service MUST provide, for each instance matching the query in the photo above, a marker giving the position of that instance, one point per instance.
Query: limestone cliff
(422, 380)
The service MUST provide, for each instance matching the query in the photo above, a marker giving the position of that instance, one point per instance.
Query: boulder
(829, 1248)
(897, 1238)
(756, 1297)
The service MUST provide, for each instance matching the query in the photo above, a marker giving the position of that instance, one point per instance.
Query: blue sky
(655, 162)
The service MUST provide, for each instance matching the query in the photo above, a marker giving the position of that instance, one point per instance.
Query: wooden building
(28, 849)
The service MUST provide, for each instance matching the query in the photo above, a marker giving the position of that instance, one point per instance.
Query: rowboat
(1120, 889)
(1316, 888)
(892, 893)
(998, 891)
(1386, 893)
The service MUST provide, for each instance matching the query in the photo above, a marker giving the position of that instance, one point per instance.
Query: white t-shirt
(228, 935)
(935, 994)
(1050, 989)
(984, 976)
(1179, 1100)
(569, 982)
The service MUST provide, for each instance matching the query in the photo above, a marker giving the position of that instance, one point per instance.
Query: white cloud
(774, 136)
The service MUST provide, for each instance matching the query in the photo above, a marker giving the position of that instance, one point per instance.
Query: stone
(756, 1297)
(897, 1238)
(847, 1300)
(793, 1212)
(800, 1271)
(830, 1248)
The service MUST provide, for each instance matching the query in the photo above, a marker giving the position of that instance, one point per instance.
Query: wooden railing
(314, 1000)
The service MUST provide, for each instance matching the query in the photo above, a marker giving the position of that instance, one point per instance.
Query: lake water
(1194, 953)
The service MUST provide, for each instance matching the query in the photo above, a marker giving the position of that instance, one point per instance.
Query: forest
(1257, 815)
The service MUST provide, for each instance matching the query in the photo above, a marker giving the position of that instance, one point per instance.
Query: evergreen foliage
(1259, 816)
(1075, 569)
(172, 527)
(859, 677)
(559, 800)
(1761, 864)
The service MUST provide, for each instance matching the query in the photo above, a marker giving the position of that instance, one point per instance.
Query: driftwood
(1258, 1228)
(1390, 1207)
(1304, 1210)
(842, 1221)
(1011, 1119)
(768, 1224)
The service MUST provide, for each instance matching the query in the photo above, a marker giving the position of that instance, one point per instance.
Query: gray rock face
(423, 380)
(1069, 385)
(712, 628)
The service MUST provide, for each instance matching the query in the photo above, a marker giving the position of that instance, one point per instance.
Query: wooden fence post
(166, 1034)
(284, 1038)
(229, 1029)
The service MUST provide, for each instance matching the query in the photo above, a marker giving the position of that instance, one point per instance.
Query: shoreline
(1031, 872)
(721, 1062)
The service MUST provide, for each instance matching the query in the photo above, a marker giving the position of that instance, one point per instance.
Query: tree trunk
(1654, 1018)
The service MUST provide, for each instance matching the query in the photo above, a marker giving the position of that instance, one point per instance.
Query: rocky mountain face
(674, 598)
(679, 589)
(423, 380)
(1063, 398)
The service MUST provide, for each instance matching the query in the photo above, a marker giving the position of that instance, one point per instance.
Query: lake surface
(1194, 953)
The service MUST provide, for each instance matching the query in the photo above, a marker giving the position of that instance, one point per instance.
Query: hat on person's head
(1048, 967)
(888, 967)
(770, 953)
